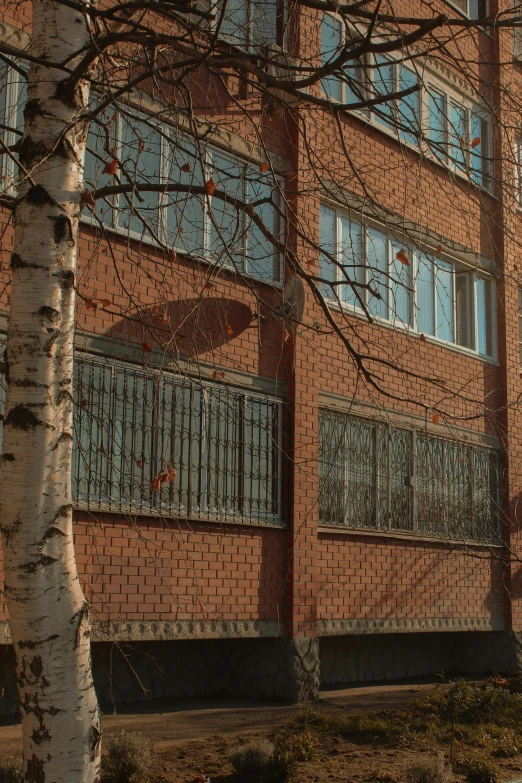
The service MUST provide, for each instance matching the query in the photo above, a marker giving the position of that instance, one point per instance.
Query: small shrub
(11, 770)
(271, 763)
(505, 744)
(128, 758)
(480, 770)
(431, 769)
(254, 757)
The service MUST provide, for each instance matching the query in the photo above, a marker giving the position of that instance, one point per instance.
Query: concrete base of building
(400, 656)
(286, 669)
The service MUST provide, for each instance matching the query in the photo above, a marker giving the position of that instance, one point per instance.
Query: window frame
(415, 254)
(429, 83)
(382, 471)
(250, 45)
(167, 130)
(466, 12)
(109, 475)
(366, 82)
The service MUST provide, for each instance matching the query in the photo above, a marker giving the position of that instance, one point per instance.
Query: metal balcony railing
(148, 442)
(375, 476)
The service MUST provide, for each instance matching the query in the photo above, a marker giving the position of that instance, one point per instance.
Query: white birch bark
(47, 611)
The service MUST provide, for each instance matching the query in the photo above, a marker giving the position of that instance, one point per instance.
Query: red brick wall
(155, 570)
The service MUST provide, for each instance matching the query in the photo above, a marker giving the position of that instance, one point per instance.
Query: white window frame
(414, 254)
(365, 83)
(148, 239)
(466, 11)
(451, 97)
(428, 83)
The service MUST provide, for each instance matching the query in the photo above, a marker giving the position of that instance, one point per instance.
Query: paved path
(175, 721)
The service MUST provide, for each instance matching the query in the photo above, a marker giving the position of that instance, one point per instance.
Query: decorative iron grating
(152, 443)
(147, 442)
(376, 476)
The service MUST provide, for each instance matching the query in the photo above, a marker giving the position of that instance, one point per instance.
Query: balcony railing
(148, 442)
(378, 477)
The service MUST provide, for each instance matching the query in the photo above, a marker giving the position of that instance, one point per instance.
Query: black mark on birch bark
(67, 279)
(30, 568)
(29, 644)
(64, 437)
(31, 152)
(19, 263)
(38, 196)
(32, 110)
(95, 742)
(8, 457)
(35, 770)
(81, 615)
(22, 418)
(50, 313)
(64, 396)
(63, 230)
(48, 345)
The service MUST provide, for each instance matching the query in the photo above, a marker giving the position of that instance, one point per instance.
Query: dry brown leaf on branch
(210, 186)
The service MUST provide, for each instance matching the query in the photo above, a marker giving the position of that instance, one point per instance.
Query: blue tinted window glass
(235, 22)
(140, 161)
(377, 274)
(352, 257)
(263, 259)
(331, 44)
(444, 300)
(409, 107)
(425, 286)
(327, 269)
(384, 83)
(185, 212)
(227, 229)
(437, 124)
(479, 149)
(264, 21)
(400, 284)
(458, 135)
(97, 154)
(485, 316)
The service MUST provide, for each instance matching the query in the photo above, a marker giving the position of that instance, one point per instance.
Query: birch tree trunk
(47, 611)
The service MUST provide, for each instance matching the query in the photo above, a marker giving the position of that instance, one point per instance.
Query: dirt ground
(196, 737)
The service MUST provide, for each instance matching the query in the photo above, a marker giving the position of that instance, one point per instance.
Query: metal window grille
(224, 446)
(378, 477)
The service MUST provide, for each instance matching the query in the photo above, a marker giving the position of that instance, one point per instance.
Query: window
(457, 131)
(148, 151)
(251, 24)
(474, 9)
(362, 266)
(350, 89)
(378, 477)
(402, 116)
(459, 135)
(13, 97)
(150, 443)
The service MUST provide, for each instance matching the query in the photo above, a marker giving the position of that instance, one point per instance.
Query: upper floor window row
(445, 124)
(367, 268)
(214, 229)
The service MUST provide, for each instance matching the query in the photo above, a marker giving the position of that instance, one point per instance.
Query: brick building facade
(328, 520)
